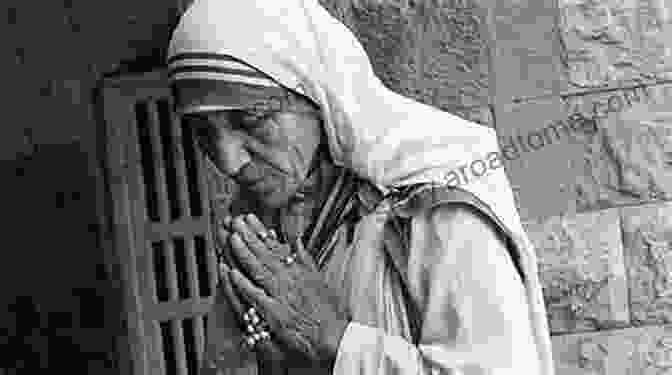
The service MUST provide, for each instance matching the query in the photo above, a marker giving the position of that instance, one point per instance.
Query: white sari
(393, 141)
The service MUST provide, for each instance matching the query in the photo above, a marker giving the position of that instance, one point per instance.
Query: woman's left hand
(286, 288)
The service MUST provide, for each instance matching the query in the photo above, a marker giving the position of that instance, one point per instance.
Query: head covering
(382, 136)
(206, 81)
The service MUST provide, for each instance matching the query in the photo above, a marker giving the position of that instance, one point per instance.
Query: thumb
(303, 254)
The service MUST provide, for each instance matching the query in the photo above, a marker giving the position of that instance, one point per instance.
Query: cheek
(300, 134)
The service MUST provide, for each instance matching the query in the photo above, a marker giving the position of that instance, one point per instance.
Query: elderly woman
(360, 258)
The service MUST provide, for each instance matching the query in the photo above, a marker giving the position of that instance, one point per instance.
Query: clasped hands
(279, 295)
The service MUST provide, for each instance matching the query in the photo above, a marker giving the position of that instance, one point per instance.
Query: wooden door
(162, 194)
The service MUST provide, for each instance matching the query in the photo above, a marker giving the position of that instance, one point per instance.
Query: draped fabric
(393, 141)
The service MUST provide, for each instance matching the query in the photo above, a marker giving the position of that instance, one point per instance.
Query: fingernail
(240, 219)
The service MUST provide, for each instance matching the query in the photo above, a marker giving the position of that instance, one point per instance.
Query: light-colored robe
(472, 301)
(393, 141)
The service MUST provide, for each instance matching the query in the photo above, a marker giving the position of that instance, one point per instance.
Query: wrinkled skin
(270, 157)
(305, 315)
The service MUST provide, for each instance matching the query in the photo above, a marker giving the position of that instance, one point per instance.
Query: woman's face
(268, 154)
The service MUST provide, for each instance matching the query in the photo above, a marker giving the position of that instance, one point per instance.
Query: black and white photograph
(337, 187)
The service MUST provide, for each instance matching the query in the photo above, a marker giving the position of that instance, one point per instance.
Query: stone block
(433, 51)
(454, 42)
(640, 351)
(582, 270)
(627, 159)
(648, 258)
(607, 41)
(526, 57)
(535, 140)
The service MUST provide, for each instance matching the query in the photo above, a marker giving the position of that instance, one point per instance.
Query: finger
(268, 237)
(304, 256)
(223, 268)
(223, 236)
(269, 253)
(252, 294)
(223, 241)
(233, 298)
(251, 238)
(255, 297)
(226, 222)
(260, 229)
(257, 226)
(251, 264)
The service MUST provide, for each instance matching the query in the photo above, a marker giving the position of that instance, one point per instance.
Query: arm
(475, 316)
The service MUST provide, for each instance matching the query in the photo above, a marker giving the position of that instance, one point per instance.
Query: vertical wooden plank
(202, 180)
(158, 363)
(180, 355)
(183, 193)
(192, 268)
(143, 251)
(199, 336)
(164, 206)
(180, 165)
(159, 165)
(118, 118)
(207, 191)
(152, 296)
(138, 199)
(171, 269)
(140, 204)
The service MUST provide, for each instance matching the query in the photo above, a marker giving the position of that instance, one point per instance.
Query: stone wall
(596, 202)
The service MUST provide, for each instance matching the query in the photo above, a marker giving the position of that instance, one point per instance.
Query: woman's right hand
(230, 310)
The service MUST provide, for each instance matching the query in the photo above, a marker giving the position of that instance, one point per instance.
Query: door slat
(159, 165)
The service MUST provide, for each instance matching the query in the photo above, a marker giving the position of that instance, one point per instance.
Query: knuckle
(238, 222)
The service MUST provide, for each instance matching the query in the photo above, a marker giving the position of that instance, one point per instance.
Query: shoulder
(454, 214)
(456, 220)
(446, 211)
(427, 199)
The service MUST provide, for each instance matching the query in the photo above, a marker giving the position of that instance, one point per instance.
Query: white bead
(265, 334)
(251, 341)
(246, 317)
(255, 320)
(250, 329)
(257, 337)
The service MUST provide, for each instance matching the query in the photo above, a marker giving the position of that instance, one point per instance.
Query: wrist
(333, 336)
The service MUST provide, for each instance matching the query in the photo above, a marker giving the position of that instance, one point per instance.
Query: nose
(232, 153)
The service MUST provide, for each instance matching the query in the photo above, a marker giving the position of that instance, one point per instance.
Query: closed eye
(254, 124)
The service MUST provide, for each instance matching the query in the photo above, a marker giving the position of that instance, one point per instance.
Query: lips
(256, 185)
(251, 184)
(247, 175)
(255, 177)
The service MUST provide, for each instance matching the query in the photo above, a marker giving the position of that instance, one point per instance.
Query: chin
(275, 199)
(276, 194)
